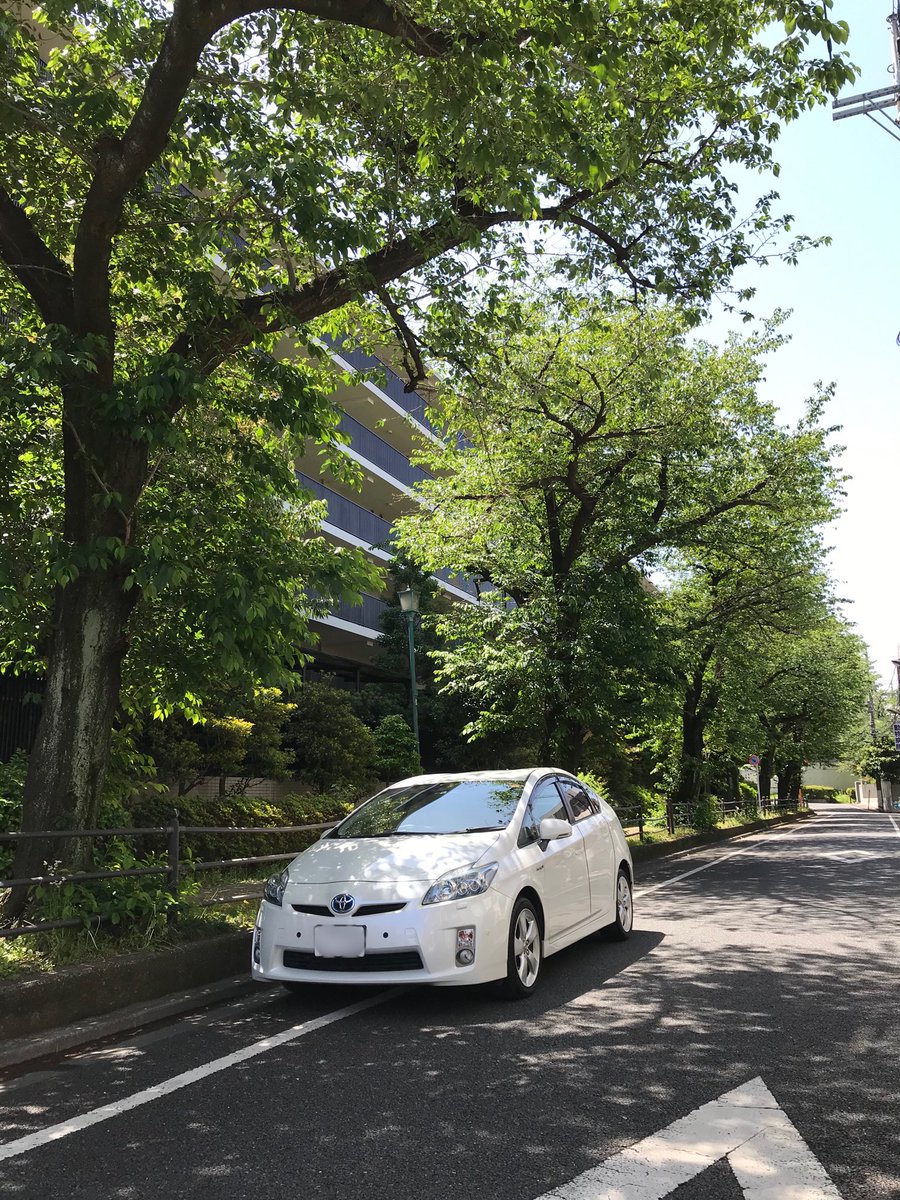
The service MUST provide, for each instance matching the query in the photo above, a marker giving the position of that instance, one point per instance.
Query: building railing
(351, 518)
(173, 869)
(368, 613)
(388, 380)
(369, 445)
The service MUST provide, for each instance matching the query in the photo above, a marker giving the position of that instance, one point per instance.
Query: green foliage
(240, 737)
(330, 744)
(818, 792)
(238, 811)
(880, 760)
(12, 780)
(705, 814)
(570, 477)
(143, 899)
(396, 756)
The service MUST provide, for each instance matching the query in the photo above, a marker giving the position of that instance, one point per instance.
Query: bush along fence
(173, 867)
(696, 818)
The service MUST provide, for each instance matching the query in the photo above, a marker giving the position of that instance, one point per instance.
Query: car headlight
(459, 885)
(274, 889)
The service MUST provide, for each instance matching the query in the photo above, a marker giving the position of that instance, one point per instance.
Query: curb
(123, 1020)
(653, 851)
(84, 991)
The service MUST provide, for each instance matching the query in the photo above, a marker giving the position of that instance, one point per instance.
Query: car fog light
(256, 941)
(465, 946)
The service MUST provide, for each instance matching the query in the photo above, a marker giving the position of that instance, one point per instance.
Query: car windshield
(453, 806)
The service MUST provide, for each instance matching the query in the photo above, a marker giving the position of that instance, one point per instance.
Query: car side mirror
(551, 829)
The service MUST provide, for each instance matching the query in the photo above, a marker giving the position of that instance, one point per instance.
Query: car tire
(524, 953)
(620, 929)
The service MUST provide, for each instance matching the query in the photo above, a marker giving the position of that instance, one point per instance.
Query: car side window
(579, 801)
(545, 801)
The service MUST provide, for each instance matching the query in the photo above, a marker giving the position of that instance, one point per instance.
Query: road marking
(768, 1156)
(705, 866)
(895, 825)
(850, 855)
(93, 1117)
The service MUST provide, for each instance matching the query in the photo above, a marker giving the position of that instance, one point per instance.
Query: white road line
(705, 866)
(769, 1158)
(895, 825)
(95, 1115)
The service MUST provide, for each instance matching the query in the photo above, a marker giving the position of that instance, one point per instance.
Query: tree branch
(45, 277)
(415, 368)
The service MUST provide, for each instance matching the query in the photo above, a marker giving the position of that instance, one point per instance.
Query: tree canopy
(592, 443)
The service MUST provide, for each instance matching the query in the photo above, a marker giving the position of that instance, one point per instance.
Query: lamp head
(409, 600)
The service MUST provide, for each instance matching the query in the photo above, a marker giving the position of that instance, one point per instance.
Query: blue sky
(841, 178)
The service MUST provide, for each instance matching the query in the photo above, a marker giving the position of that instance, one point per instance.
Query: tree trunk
(766, 762)
(67, 766)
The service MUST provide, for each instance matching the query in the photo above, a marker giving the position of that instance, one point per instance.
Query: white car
(449, 879)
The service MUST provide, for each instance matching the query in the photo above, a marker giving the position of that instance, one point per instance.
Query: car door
(588, 819)
(560, 866)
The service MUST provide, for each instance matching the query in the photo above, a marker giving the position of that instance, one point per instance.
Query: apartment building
(383, 422)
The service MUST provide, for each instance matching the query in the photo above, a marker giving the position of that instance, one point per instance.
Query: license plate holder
(339, 941)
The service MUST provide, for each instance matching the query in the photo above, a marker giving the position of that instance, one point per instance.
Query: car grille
(364, 910)
(396, 960)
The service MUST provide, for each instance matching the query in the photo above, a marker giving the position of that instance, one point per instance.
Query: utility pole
(867, 104)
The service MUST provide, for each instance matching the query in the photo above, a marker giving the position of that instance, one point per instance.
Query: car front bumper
(417, 943)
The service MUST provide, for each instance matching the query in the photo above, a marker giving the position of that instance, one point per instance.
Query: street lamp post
(409, 603)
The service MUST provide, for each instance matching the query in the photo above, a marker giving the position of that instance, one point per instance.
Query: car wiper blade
(483, 829)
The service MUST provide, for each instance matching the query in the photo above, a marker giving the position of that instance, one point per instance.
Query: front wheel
(524, 955)
(621, 926)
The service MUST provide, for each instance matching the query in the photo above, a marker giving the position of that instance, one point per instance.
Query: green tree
(331, 746)
(181, 185)
(396, 756)
(597, 440)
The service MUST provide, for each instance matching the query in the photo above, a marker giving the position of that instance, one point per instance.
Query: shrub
(331, 745)
(817, 792)
(236, 811)
(396, 756)
(142, 900)
(705, 814)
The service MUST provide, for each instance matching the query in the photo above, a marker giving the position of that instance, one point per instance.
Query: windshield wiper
(483, 829)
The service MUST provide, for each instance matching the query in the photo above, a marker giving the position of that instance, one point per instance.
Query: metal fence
(635, 818)
(174, 867)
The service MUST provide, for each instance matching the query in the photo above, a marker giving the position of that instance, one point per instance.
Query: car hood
(406, 858)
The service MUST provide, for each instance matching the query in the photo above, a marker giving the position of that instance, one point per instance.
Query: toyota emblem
(342, 904)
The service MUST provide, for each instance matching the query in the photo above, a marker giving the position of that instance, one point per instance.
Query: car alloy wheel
(620, 929)
(524, 961)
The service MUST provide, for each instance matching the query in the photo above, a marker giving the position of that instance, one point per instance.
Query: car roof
(518, 776)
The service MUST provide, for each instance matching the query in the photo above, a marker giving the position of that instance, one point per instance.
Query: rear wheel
(621, 926)
(524, 956)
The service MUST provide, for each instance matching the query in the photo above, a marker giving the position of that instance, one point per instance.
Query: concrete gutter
(89, 990)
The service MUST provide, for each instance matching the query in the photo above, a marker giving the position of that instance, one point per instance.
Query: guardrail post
(641, 823)
(173, 864)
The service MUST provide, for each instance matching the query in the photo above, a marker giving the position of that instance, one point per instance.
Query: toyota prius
(449, 879)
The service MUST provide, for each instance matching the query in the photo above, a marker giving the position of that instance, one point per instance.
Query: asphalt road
(778, 961)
